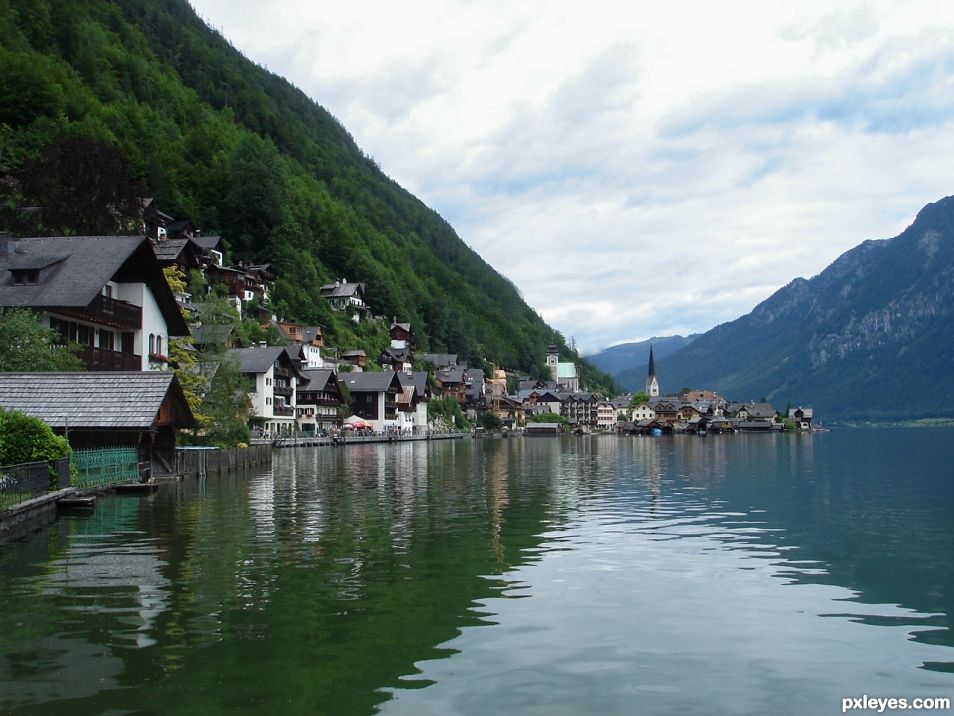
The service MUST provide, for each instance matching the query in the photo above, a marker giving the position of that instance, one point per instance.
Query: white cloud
(636, 169)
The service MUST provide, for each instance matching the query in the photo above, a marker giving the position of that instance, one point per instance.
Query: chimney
(263, 344)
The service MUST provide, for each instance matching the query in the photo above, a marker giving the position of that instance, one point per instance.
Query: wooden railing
(110, 312)
(97, 359)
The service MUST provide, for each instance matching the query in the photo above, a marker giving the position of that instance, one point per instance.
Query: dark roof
(344, 290)
(317, 379)
(259, 359)
(211, 333)
(309, 333)
(128, 400)
(83, 266)
(395, 355)
(439, 360)
(169, 249)
(418, 380)
(371, 382)
(451, 375)
(208, 243)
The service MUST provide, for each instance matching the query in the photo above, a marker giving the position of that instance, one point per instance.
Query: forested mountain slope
(870, 337)
(241, 152)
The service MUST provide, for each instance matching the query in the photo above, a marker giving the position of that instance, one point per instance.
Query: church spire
(652, 385)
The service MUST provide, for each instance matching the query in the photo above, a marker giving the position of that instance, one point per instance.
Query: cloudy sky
(637, 169)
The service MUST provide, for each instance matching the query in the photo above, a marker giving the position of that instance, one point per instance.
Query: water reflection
(732, 574)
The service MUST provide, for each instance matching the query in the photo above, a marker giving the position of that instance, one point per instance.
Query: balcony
(108, 312)
(283, 390)
(98, 359)
(283, 410)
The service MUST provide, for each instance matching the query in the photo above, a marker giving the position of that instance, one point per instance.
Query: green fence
(105, 466)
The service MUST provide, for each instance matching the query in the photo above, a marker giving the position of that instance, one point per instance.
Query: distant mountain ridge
(629, 362)
(870, 337)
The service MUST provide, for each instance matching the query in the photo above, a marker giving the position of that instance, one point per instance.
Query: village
(109, 295)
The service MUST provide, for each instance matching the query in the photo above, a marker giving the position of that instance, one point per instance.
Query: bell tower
(553, 357)
(652, 385)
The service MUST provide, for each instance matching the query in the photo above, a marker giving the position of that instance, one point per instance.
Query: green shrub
(27, 439)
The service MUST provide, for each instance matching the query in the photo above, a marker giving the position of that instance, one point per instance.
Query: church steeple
(652, 385)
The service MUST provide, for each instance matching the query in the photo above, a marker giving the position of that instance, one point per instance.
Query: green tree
(82, 187)
(489, 421)
(227, 406)
(549, 418)
(25, 345)
(639, 398)
(27, 439)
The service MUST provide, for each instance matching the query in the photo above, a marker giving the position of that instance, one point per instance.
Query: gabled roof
(309, 333)
(127, 400)
(395, 355)
(317, 379)
(760, 410)
(371, 382)
(259, 359)
(343, 290)
(450, 375)
(75, 269)
(212, 333)
(169, 250)
(439, 360)
(208, 243)
(566, 370)
(417, 380)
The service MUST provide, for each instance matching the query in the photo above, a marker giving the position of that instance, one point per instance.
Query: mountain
(870, 337)
(239, 151)
(629, 362)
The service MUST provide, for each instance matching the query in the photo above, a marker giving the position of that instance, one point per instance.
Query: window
(268, 401)
(84, 335)
(108, 291)
(106, 339)
(25, 277)
(159, 345)
(152, 343)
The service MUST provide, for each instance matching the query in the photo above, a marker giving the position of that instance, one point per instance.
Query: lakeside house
(275, 378)
(374, 397)
(140, 409)
(105, 293)
(318, 401)
(412, 402)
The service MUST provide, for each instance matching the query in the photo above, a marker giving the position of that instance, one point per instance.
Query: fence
(105, 466)
(19, 483)
(191, 461)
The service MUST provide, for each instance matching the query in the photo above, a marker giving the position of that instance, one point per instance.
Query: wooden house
(106, 293)
(142, 409)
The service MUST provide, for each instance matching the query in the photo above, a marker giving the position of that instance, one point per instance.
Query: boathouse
(141, 409)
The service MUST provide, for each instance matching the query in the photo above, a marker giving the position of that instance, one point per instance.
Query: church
(652, 385)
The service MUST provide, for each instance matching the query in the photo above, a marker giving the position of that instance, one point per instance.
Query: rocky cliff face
(872, 336)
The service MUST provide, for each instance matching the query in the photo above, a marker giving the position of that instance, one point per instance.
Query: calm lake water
(752, 574)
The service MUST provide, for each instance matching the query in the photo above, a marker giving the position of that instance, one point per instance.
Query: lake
(729, 574)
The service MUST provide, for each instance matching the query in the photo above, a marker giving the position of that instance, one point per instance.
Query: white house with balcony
(105, 293)
(275, 377)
